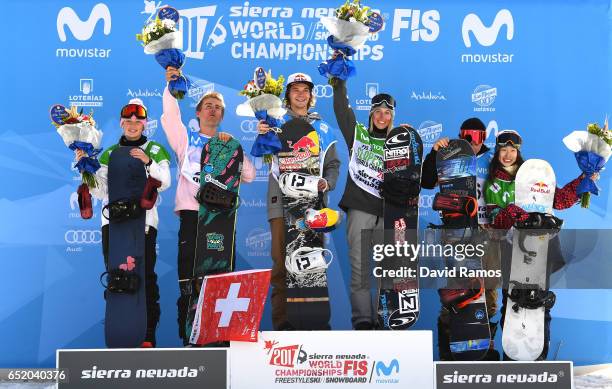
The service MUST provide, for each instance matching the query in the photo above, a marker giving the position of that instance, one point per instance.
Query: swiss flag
(230, 307)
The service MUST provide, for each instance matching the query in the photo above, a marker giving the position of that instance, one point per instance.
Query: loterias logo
(185, 372)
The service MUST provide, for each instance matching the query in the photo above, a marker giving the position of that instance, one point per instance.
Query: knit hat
(473, 124)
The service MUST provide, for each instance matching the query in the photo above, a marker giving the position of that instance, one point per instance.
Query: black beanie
(473, 124)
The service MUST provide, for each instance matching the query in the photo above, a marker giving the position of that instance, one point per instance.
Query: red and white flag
(230, 307)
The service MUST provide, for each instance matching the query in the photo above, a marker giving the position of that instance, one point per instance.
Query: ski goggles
(381, 99)
(473, 136)
(509, 138)
(134, 110)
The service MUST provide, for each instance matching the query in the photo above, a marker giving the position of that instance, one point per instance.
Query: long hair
(496, 165)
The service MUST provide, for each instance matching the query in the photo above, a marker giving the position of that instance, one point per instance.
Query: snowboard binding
(456, 299)
(400, 188)
(308, 260)
(530, 296)
(122, 210)
(216, 199)
(299, 185)
(121, 281)
(456, 211)
(540, 221)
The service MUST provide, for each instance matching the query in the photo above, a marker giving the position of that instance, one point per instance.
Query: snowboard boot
(85, 201)
(455, 299)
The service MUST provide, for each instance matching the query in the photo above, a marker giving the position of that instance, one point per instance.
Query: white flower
(352, 20)
(169, 24)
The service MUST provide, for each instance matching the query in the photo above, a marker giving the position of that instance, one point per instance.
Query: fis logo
(423, 26)
(83, 30)
(487, 36)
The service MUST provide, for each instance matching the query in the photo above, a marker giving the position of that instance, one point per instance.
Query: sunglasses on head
(133, 110)
(475, 136)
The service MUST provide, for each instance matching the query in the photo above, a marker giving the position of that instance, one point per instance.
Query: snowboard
(125, 321)
(398, 298)
(306, 294)
(221, 165)
(470, 334)
(523, 331)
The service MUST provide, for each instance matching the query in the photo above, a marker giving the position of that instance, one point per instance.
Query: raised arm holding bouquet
(161, 37)
(592, 149)
(79, 133)
(349, 30)
(264, 102)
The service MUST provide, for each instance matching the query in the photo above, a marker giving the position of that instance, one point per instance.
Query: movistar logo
(387, 370)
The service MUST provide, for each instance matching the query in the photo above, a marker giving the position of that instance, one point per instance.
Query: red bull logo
(304, 144)
(540, 187)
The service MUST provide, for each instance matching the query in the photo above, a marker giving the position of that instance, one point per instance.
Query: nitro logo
(391, 154)
(487, 36)
(214, 241)
(484, 97)
(408, 302)
(423, 25)
(540, 187)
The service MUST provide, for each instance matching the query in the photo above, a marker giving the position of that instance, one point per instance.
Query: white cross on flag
(230, 307)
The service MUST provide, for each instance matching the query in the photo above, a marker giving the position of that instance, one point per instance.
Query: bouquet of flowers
(349, 31)
(161, 38)
(592, 149)
(79, 132)
(264, 102)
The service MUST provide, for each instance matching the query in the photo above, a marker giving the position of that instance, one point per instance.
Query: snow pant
(279, 273)
(187, 236)
(152, 290)
(369, 227)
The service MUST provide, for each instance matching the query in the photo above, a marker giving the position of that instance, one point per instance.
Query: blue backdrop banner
(541, 68)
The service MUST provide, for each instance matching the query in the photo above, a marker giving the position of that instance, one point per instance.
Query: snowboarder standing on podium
(157, 165)
(361, 199)
(299, 99)
(499, 194)
(188, 149)
(474, 131)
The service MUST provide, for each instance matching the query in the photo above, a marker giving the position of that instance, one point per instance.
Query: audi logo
(83, 236)
(426, 201)
(249, 125)
(323, 91)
